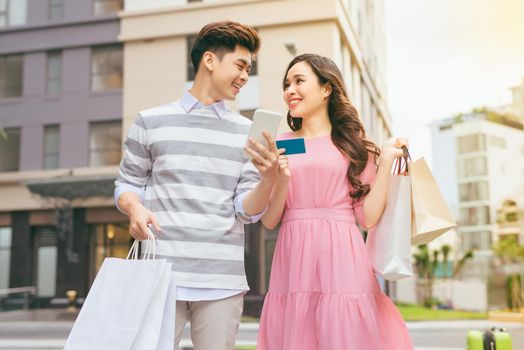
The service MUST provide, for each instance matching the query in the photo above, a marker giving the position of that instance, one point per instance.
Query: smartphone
(292, 146)
(264, 120)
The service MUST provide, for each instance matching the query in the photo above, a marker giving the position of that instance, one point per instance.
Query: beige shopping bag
(430, 214)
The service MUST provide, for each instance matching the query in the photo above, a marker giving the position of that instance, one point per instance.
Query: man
(199, 188)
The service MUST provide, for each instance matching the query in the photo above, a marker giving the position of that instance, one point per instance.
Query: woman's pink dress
(323, 294)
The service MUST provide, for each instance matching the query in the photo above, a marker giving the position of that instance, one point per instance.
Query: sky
(449, 56)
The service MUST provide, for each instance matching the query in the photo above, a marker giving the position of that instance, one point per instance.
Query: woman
(323, 293)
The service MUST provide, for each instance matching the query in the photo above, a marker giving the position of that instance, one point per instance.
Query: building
(80, 71)
(479, 164)
(61, 116)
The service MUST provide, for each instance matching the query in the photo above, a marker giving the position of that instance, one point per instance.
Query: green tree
(511, 252)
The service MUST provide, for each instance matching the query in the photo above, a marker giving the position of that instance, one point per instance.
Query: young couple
(184, 175)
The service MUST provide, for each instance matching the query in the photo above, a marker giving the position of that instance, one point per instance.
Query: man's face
(230, 73)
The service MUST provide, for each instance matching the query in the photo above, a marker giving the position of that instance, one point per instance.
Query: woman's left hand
(393, 149)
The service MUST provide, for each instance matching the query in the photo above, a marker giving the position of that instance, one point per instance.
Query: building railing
(8, 303)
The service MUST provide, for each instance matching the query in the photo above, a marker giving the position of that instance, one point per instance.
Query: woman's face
(303, 93)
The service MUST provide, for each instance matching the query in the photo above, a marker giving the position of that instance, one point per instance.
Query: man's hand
(139, 218)
(264, 159)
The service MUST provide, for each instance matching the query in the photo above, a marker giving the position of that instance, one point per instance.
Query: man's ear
(208, 60)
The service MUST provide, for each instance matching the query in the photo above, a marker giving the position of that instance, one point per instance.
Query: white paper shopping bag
(125, 305)
(389, 243)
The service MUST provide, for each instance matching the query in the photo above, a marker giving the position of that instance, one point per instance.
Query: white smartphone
(264, 120)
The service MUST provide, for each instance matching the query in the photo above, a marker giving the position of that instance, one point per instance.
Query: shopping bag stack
(131, 305)
(415, 213)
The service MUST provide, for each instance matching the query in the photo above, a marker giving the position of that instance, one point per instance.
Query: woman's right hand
(284, 173)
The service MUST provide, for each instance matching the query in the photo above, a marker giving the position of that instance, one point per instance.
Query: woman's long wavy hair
(347, 131)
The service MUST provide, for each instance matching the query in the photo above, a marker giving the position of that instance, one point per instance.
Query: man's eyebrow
(244, 61)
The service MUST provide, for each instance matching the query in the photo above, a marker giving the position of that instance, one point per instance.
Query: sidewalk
(48, 329)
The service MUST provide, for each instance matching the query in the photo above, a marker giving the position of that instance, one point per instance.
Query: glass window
(471, 143)
(105, 143)
(468, 167)
(476, 240)
(248, 113)
(56, 9)
(5, 256)
(473, 191)
(10, 150)
(54, 73)
(106, 68)
(12, 13)
(51, 147)
(109, 240)
(45, 260)
(190, 39)
(473, 216)
(103, 7)
(11, 75)
(497, 142)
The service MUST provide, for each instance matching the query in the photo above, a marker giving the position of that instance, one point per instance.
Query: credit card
(292, 146)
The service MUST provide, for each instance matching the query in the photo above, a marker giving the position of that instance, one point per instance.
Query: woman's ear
(327, 90)
(208, 60)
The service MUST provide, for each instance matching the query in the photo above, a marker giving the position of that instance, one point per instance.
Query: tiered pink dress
(323, 294)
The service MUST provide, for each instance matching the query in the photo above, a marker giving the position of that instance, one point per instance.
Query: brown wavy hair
(347, 131)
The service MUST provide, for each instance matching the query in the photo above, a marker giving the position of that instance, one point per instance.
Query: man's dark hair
(222, 37)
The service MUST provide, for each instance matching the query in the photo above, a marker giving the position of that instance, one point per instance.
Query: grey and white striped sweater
(193, 168)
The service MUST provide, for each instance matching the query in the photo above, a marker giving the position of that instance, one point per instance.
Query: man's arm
(132, 177)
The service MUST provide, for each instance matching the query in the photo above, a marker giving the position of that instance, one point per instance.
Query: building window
(473, 191)
(106, 68)
(476, 240)
(190, 71)
(104, 7)
(190, 40)
(51, 147)
(5, 256)
(472, 167)
(105, 143)
(54, 73)
(12, 13)
(474, 216)
(108, 240)
(498, 142)
(45, 260)
(471, 143)
(10, 149)
(248, 113)
(55, 10)
(11, 75)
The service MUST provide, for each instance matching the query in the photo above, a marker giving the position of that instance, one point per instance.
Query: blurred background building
(479, 163)
(75, 73)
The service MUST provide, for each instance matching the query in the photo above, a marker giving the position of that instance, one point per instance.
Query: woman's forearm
(276, 205)
(375, 201)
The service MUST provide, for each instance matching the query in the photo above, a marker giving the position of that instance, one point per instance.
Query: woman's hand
(392, 149)
(284, 173)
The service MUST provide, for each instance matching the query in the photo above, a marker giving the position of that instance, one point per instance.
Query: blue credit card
(292, 146)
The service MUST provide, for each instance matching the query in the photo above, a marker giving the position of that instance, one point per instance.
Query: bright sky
(449, 56)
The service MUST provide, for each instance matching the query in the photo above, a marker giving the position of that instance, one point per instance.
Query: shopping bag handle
(150, 249)
(406, 157)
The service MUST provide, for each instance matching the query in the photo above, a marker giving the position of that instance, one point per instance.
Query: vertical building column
(21, 251)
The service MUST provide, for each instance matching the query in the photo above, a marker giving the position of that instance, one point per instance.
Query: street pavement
(48, 330)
